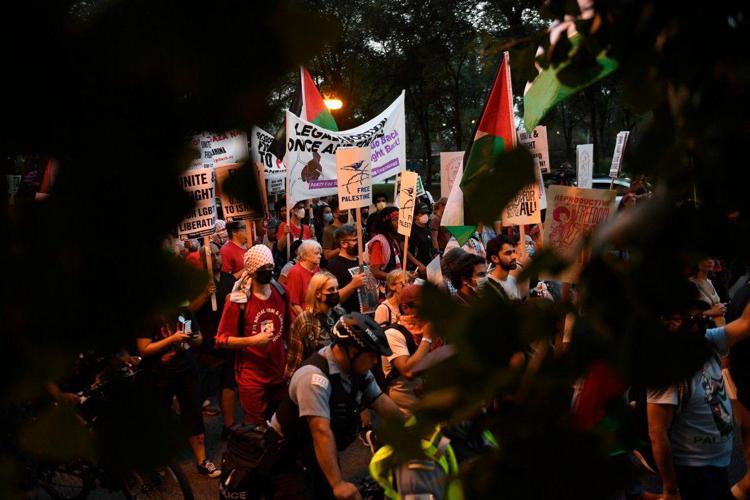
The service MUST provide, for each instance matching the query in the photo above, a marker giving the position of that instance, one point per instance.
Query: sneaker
(207, 468)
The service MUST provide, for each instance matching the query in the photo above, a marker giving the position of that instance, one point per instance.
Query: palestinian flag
(494, 135)
(546, 91)
(308, 104)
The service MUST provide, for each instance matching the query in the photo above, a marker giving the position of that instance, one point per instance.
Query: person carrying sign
(384, 247)
(346, 240)
(297, 229)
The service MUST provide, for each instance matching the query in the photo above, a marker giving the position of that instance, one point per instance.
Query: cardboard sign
(451, 167)
(275, 186)
(353, 176)
(199, 184)
(311, 151)
(585, 165)
(407, 198)
(524, 208)
(229, 151)
(233, 209)
(536, 143)
(622, 141)
(572, 214)
(260, 151)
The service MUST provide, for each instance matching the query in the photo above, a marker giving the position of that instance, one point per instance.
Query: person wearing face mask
(410, 341)
(297, 229)
(467, 273)
(380, 200)
(311, 330)
(254, 323)
(420, 242)
(503, 279)
(341, 264)
(298, 279)
(388, 312)
(323, 218)
(338, 219)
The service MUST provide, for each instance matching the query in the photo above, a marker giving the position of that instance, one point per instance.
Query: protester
(447, 265)
(255, 322)
(473, 245)
(380, 201)
(410, 340)
(299, 230)
(468, 271)
(323, 218)
(311, 330)
(340, 265)
(739, 368)
(503, 279)
(217, 365)
(232, 256)
(420, 241)
(440, 235)
(707, 292)
(308, 263)
(284, 272)
(171, 371)
(388, 311)
(339, 218)
(321, 412)
(690, 423)
(384, 248)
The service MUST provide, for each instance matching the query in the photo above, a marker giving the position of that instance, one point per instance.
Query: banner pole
(210, 268)
(250, 230)
(360, 247)
(286, 194)
(406, 251)
(522, 239)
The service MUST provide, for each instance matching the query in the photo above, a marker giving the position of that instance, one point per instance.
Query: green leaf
(495, 184)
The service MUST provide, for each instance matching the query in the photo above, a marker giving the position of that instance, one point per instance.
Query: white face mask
(380, 205)
(300, 213)
(423, 218)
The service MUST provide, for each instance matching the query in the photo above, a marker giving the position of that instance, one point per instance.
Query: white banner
(585, 165)
(536, 143)
(407, 198)
(451, 166)
(524, 208)
(229, 148)
(622, 141)
(353, 176)
(260, 151)
(311, 151)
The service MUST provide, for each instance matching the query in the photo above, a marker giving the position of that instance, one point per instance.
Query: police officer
(321, 413)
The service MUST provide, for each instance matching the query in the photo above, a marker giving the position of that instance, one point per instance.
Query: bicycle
(77, 479)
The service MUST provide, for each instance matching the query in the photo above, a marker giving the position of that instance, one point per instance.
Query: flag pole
(210, 269)
(288, 228)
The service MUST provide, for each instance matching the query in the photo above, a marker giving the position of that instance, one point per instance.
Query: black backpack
(378, 373)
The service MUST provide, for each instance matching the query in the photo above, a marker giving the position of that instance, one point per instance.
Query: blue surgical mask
(328, 217)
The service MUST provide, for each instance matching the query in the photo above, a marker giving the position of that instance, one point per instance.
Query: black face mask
(264, 276)
(343, 218)
(331, 299)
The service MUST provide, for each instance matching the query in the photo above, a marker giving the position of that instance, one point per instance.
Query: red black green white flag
(494, 135)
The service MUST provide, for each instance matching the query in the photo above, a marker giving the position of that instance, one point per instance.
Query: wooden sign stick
(210, 267)
(406, 251)
(360, 247)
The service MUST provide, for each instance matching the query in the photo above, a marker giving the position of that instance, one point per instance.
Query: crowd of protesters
(285, 340)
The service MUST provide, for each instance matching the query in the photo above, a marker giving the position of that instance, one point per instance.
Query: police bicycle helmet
(361, 331)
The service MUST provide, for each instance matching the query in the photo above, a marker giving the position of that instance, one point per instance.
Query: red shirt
(296, 283)
(306, 235)
(232, 257)
(257, 365)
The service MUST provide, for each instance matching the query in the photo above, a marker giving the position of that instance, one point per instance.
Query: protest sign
(572, 214)
(229, 152)
(407, 198)
(451, 167)
(368, 292)
(260, 151)
(536, 143)
(200, 221)
(353, 176)
(584, 165)
(524, 207)
(420, 186)
(620, 143)
(311, 151)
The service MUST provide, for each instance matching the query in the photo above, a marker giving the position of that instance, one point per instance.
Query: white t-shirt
(398, 346)
(510, 285)
(701, 433)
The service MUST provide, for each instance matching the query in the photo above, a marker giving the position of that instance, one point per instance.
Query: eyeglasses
(349, 241)
(410, 304)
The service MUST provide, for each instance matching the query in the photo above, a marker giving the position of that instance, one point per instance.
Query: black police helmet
(361, 331)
